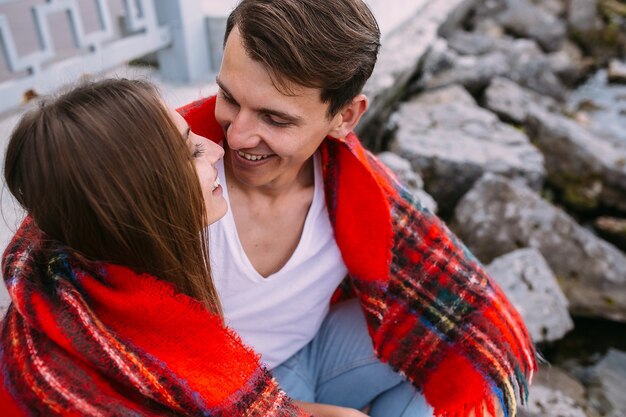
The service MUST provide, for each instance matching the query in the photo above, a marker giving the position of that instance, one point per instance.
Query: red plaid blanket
(433, 313)
(85, 339)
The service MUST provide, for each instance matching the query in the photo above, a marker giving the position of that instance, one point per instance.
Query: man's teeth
(216, 184)
(250, 157)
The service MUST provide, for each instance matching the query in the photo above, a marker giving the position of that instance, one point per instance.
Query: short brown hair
(103, 169)
(327, 44)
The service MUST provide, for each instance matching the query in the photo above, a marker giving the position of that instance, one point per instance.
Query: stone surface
(533, 289)
(512, 102)
(554, 7)
(569, 64)
(554, 394)
(525, 19)
(606, 385)
(402, 168)
(472, 72)
(5, 301)
(487, 9)
(613, 230)
(605, 38)
(602, 105)
(451, 142)
(489, 26)
(472, 43)
(520, 60)
(589, 170)
(399, 58)
(617, 72)
(582, 15)
(499, 215)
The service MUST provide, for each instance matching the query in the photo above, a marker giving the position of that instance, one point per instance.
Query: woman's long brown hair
(104, 170)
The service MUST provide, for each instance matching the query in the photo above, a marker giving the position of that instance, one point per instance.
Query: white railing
(178, 31)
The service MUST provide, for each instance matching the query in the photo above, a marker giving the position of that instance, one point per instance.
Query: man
(429, 334)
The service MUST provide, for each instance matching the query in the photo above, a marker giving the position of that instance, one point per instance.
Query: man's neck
(270, 219)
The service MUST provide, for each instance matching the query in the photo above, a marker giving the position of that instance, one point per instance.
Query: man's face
(269, 135)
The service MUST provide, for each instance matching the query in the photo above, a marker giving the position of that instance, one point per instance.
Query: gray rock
(452, 142)
(582, 15)
(439, 58)
(512, 102)
(554, 394)
(554, 7)
(530, 21)
(400, 56)
(520, 60)
(617, 72)
(412, 180)
(498, 216)
(471, 43)
(566, 382)
(606, 385)
(488, 26)
(426, 200)
(613, 230)
(402, 168)
(4, 306)
(472, 72)
(528, 282)
(537, 74)
(450, 94)
(568, 63)
(487, 9)
(600, 107)
(590, 170)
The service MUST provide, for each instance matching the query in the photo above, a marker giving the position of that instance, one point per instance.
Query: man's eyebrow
(290, 118)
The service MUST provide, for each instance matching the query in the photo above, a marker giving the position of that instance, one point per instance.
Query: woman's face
(205, 154)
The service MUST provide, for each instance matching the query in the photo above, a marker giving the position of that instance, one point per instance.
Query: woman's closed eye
(198, 150)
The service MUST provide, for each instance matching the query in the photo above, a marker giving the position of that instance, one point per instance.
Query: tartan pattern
(437, 317)
(63, 353)
(433, 314)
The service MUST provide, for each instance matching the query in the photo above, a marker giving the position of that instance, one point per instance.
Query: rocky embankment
(513, 128)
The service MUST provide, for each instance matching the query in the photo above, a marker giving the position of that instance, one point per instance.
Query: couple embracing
(244, 255)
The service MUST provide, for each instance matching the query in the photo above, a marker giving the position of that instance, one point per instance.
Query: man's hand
(325, 410)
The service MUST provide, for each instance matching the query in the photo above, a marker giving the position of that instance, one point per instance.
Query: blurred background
(506, 117)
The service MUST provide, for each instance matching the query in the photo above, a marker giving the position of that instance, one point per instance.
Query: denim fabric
(339, 367)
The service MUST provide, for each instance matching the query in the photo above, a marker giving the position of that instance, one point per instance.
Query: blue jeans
(339, 367)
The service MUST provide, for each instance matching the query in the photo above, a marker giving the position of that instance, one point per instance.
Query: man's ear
(349, 116)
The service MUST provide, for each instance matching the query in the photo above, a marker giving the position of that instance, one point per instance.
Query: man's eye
(228, 98)
(276, 123)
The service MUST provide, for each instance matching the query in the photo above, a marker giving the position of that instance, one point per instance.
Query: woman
(114, 311)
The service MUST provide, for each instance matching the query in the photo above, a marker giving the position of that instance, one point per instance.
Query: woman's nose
(215, 152)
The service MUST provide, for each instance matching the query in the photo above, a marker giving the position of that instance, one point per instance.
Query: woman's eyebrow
(186, 134)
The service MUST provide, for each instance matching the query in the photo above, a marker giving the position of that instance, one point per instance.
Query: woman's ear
(349, 116)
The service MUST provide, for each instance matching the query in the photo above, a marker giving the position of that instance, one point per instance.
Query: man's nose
(241, 133)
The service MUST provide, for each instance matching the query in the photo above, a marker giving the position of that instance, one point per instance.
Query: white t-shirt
(279, 314)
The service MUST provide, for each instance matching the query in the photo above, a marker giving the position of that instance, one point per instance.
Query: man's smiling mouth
(251, 157)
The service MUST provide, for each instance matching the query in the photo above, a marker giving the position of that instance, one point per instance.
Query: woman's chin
(217, 207)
